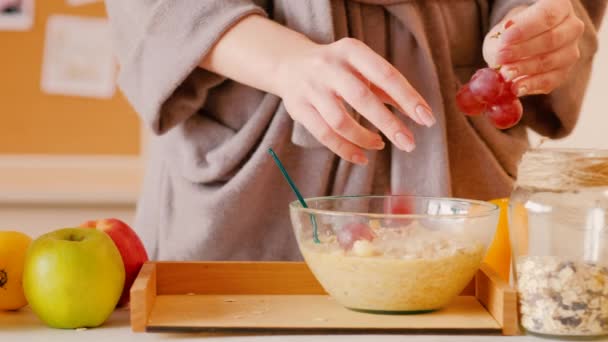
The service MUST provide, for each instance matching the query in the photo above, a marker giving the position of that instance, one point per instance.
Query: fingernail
(359, 159)
(508, 24)
(509, 74)
(505, 55)
(521, 91)
(511, 35)
(379, 144)
(425, 115)
(404, 142)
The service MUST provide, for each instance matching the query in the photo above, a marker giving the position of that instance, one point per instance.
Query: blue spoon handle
(315, 235)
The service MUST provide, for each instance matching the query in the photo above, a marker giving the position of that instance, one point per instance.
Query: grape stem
(496, 35)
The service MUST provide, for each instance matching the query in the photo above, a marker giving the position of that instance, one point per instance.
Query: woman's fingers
(554, 39)
(385, 98)
(363, 100)
(538, 18)
(562, 58)
(542, 83)
(538, 46)
(311, 119)
(349, 71)
(382, 95)
(336, 116)
(384, 76)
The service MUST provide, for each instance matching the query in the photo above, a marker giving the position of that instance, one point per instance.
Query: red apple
(130, 247)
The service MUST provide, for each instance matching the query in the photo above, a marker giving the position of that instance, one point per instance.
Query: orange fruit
(499, 253)
(519, 229)
(13, 246)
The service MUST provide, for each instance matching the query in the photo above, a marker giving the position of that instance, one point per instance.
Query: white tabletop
(22, 325)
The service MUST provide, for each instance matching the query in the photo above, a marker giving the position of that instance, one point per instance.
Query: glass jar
(559, 242)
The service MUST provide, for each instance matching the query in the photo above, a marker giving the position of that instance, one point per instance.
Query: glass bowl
(393, 254)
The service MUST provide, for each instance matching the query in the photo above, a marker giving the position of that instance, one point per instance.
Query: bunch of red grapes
(490, 94)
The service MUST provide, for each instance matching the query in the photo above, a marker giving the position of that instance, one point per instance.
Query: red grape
(507, 95)
(488, 85)
(490, 93)
(468, 103)
(352, 232)
(505, 115)
(398, 205)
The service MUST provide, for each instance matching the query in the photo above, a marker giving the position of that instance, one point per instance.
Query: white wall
(592, 129)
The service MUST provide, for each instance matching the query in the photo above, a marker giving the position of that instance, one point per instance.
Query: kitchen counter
(24, 326)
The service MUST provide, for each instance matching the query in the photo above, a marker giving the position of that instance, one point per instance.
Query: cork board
(33, 122)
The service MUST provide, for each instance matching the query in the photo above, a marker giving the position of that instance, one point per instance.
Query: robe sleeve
(159, 45)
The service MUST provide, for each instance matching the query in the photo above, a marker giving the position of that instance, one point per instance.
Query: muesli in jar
(562, 297)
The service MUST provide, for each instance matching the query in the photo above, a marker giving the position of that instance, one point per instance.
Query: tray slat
(236, 278)
(499, 298)
(143, 296)
(302, 313)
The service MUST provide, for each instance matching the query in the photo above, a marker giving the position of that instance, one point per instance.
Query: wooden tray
(272, 297)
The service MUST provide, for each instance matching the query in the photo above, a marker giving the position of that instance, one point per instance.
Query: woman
(221, 81)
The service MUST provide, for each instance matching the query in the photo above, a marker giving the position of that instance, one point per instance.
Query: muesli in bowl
(369, 258)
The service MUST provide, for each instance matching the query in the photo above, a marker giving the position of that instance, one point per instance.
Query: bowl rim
(492, 208)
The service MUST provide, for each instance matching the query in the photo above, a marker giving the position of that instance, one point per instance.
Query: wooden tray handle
(498, 298)
(143, 294)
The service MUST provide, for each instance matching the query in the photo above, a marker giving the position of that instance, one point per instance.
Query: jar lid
(563, 169)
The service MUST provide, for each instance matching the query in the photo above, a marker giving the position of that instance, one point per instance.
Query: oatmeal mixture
(402, 269)
(561, 297)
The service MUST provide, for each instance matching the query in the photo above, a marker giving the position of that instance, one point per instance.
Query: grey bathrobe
(211, 192)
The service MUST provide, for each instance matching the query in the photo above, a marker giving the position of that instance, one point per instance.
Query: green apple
(73, 277)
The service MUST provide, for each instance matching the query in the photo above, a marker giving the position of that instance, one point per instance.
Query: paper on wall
(78, 57)
(16, 15)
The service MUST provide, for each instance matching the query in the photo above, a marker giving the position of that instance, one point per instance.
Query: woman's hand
(315, 84)
(315, 81)
(535, 46)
